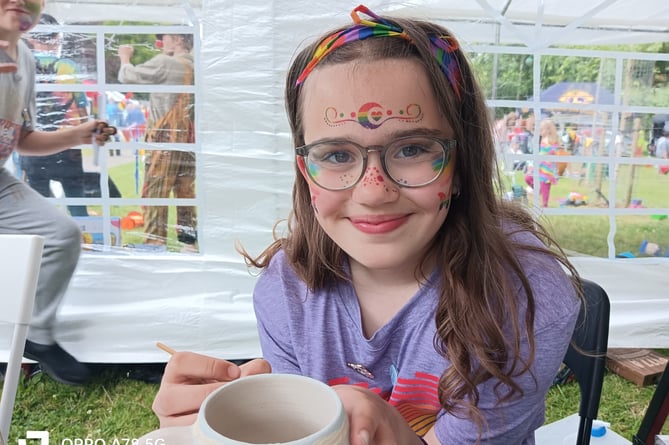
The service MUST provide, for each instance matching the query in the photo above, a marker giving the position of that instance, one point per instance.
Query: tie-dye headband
(443, 47)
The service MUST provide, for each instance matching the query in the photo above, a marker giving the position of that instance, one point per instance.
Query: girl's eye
(335, 154)
(409, 151)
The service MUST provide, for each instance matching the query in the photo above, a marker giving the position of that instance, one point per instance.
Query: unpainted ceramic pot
(279, 409)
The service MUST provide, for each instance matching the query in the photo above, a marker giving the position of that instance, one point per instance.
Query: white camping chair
(20, 258)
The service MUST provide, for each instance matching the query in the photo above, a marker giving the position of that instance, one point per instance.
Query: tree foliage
(510, 76)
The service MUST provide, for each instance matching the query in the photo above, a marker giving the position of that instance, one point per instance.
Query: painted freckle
(373, 177)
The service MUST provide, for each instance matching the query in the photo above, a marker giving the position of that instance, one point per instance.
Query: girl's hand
(6, 67)
(189, 378)
(372, 420)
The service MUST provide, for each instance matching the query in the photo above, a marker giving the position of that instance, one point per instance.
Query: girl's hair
(476, 254)
(549, 133)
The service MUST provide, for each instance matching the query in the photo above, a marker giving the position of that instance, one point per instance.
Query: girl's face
(18, 16)
(379, 224)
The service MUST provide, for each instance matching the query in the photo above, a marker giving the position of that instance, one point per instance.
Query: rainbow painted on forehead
(443, 47)
(371, 115)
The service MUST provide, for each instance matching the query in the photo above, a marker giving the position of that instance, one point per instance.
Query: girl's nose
(375, 187)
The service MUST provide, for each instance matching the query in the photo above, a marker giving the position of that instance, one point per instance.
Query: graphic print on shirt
(9, 136)
(415, 398)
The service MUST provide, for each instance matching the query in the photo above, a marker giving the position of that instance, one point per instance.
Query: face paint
(313, 170)
(372, 115)
(444, 201)
(445, 182)
(34, 11)
(315, 192)
(373, 176)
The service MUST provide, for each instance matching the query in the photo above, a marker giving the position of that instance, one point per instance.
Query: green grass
(114, 406)
(123, 176)
(110, 407)
(587, 234)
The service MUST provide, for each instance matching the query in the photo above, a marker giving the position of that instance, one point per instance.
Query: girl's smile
(378, 224)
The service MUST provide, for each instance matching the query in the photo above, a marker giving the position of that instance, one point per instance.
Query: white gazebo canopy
(121, 302)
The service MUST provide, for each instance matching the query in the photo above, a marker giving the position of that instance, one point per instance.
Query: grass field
(587, 234)
(114, 406)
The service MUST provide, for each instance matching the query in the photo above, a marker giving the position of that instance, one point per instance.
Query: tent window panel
(580, 235)
(152, 174)
(149, 51)
(504, 76)
(157, 228)
(577, 80)
(642, 185)
(645, 82)
(642, 236)
(155, 117)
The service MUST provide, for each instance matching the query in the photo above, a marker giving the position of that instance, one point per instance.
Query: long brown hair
(476, 253)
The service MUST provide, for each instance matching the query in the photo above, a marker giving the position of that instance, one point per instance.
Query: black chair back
(656, 414)
(586, 357)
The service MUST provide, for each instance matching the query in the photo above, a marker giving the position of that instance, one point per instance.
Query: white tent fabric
(119, 305)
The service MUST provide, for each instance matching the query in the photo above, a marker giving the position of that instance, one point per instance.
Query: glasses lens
(415, 161)
(335, 165)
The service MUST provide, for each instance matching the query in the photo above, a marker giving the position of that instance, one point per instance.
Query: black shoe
(57, 363)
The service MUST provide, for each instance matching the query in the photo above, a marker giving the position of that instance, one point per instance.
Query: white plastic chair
(20, 258)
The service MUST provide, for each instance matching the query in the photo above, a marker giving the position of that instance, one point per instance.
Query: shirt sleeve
(153, 71)
(270, 295)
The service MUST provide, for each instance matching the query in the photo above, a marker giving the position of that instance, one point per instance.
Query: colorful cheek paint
(314, 170)
(34, 11)
(315, 193)
(444, 201)
(371, 115)
(26, 23)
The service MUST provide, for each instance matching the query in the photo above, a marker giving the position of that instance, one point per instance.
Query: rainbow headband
(443, 47)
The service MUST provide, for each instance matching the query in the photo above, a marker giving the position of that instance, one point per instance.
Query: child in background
(434, 307)
(548, 145)
(22, 210)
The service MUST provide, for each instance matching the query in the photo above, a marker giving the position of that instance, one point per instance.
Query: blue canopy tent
(577, 93)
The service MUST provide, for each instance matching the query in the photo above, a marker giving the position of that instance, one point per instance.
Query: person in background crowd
(548, 145)
(23, 210)
(439, 311)
(662, 148)
(171, 121)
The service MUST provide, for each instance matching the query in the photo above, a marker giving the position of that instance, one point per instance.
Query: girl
(431, 305)
(549, 144)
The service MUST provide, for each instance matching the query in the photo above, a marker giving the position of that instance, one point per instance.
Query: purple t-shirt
(320, 335)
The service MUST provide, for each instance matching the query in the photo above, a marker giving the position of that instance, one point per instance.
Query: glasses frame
(446, 144)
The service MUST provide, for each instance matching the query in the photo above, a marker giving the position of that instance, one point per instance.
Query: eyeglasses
(412, 161)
